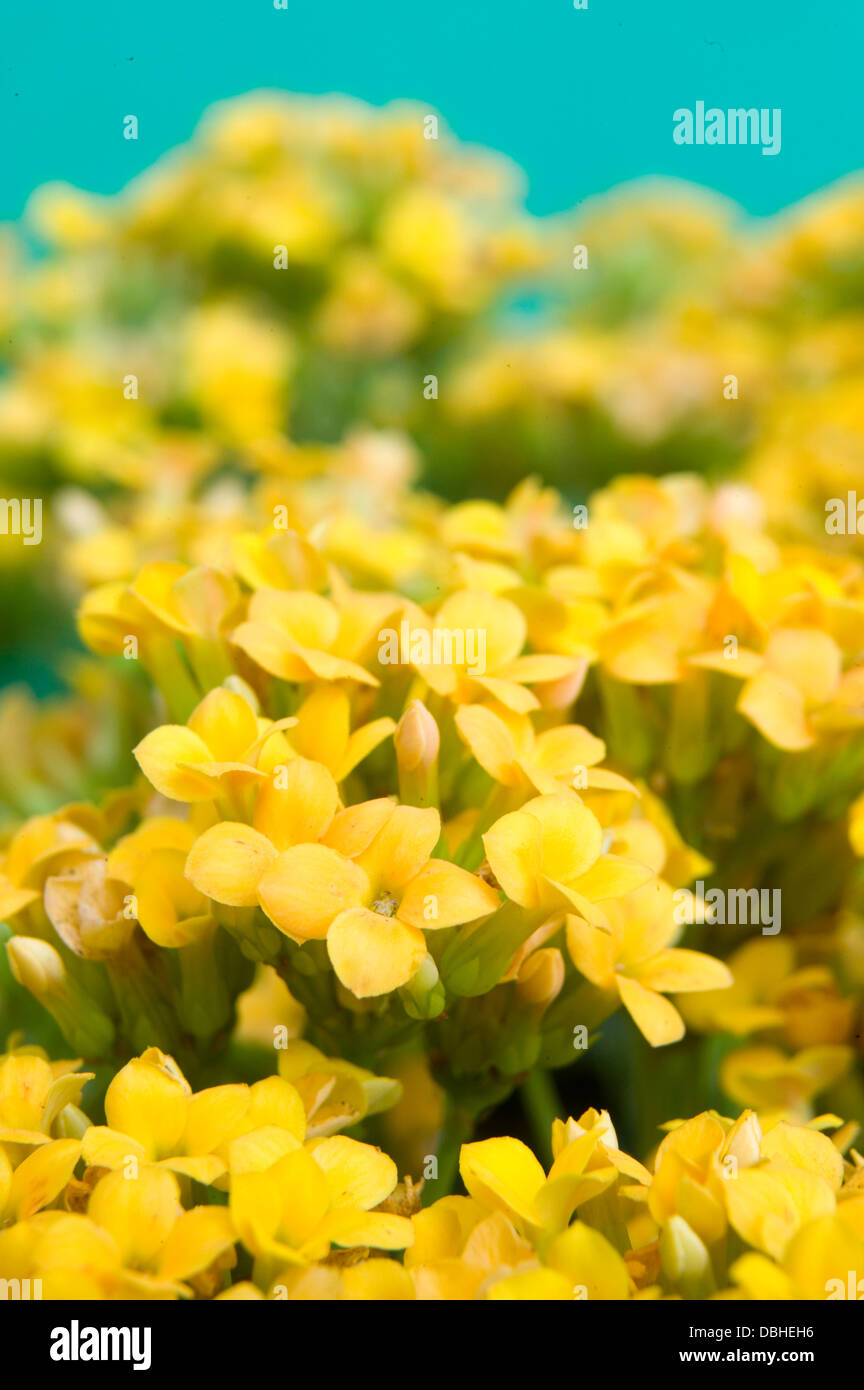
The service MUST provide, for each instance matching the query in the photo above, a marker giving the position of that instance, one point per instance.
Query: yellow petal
(197, 1238)
(357, 1175)
(657, 1019)
(491, 742)
(306, 886)
(590, 1262)
(571, 836)
(167, 757)
(768, 1205)
(227, 863)
(543, 1285)
(378, 1229)
(297, 805)
(504, 1174)
(804, 1148)
(808, 659)
(148, 1100)
(443, 895)
(226, 724)
(500, 621)
(102, 1147)
(676, 971)
(401, 847)
(41, 1177)
(138, 1212)
(378, 1280)
(513, 847)
(372, 954)
(776, 707)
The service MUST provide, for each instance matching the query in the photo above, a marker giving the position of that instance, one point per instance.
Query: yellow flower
(304, 637)
(216, 753)
(496, 669)
(505, 744)
(635, 958)
(776, 1084)
(786, 689)
(335, 1094)
(153, 1118)
(362, 877)
(321, 1195)
(550, 855)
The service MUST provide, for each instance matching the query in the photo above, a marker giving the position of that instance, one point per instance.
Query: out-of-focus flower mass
(446, 703)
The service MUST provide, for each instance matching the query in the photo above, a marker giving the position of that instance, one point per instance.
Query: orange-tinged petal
(373, 954)
(297, 805)
(41, 1177)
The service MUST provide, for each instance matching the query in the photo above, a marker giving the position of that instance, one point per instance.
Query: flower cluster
(417, 803)
(239, 1191)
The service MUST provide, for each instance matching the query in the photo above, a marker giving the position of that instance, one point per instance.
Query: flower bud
(39, 968)
(685, 1260)
(417, 743)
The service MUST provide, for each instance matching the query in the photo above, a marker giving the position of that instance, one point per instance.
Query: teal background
(582, 100)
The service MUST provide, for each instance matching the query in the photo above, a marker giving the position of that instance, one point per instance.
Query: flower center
(386, 905)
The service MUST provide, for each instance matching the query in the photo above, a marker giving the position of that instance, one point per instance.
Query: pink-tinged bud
(561, 694)
(416, 738)
(417, 742)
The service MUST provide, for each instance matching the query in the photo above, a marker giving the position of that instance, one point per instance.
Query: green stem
(456, 1130)
(542, 1105)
